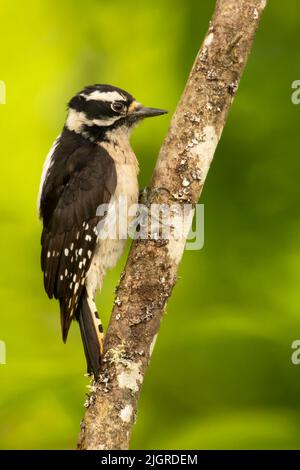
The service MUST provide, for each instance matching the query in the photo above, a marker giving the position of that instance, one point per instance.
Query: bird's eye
(118, 107)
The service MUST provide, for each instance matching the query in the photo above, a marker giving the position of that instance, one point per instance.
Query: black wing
(75, 186)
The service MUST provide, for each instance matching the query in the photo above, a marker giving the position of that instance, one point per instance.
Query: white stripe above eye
(104, 96)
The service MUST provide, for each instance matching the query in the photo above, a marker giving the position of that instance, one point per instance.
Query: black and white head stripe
(98, 105)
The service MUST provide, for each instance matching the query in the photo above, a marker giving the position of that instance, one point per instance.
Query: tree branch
(152, 265)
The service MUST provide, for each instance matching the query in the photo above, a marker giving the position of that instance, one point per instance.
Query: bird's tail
(91, 333)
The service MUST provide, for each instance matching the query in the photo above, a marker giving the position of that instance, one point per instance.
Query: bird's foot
(147, 195)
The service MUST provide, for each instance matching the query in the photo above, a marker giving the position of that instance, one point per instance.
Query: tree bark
(151, 269)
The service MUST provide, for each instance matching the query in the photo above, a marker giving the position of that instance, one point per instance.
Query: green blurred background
(221, 375)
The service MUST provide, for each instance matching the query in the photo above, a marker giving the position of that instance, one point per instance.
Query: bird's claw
(147, 195)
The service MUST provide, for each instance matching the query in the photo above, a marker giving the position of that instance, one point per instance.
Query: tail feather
(65, 320)
(91, 333)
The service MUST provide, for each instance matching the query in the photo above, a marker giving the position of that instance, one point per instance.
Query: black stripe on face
(93, 109)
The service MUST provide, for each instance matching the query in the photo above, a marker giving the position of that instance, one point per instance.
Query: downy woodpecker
(91, 163)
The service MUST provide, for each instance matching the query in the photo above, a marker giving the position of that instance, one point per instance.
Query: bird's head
(101, 108)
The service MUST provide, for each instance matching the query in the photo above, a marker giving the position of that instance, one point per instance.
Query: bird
(91, 164)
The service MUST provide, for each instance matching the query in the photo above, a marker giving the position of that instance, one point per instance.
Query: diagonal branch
(151, 269)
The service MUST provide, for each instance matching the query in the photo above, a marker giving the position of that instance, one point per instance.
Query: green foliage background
(221, 374)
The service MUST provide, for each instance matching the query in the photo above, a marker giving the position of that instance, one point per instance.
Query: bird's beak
(141, 111)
